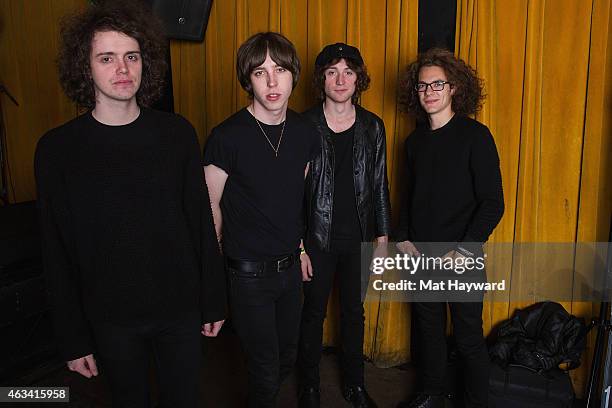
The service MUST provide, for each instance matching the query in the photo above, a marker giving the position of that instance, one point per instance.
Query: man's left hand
(212, 329)
(306, 266)
(453, 255)
(381, 251)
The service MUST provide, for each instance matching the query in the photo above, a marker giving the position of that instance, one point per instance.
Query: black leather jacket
(370, 179)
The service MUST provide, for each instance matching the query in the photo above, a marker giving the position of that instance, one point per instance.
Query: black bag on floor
(540, 337)
(518, 386)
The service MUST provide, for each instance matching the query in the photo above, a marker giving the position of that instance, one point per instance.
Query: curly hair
(468, 96)
(362, 83)
(252, 53)
(131, 18)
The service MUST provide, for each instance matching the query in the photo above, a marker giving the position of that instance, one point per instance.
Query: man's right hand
(408, 248)
(86, 366)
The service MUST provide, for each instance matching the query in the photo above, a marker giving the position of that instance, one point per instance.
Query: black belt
(263, 268)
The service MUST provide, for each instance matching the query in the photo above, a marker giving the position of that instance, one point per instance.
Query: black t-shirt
(345, 221)
(263, 195)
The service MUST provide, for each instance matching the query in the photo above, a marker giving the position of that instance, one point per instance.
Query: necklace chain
(268, 139)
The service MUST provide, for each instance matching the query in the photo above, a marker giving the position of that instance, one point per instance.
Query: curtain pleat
(541, 61)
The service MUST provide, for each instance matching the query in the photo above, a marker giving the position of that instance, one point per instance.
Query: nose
(428, 89)
(340, 79)
(121, 66)
(272, 79)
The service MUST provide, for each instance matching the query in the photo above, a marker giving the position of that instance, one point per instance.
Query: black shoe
(358, 397)
(309, 397)
(424, 401)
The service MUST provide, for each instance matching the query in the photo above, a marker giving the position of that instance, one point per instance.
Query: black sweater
(126, 225)
(454, 187)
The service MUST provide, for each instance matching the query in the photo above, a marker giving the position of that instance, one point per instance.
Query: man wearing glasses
(454, 195)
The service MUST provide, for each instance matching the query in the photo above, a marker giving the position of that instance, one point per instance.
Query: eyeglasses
(435, 86)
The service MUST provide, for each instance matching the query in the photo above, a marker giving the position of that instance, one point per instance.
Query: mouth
(273, 97)
(123, 82)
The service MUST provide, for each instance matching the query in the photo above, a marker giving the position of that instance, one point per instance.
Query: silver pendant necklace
(268, 139)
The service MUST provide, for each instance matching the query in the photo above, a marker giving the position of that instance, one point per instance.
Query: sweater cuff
(399, 236)
(213, 316)
(214, 305)
(72, 348)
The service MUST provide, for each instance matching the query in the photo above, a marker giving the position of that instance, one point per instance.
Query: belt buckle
(284, 260)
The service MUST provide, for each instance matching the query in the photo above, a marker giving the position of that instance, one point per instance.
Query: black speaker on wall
(26, 335)
(183, 19)
(437, 24)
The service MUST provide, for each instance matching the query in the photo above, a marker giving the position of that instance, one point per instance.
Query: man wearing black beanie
(347, 202)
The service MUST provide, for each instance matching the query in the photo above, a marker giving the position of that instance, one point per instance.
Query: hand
(86, 366)
(408, 248)
(306, 267)
(450, 255)
(381, 251)
(212, 329)
(453, 255)
(459, 255)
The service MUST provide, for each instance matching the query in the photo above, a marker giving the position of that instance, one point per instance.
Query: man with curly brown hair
(454, 199)
(129, 246)
(348, 202)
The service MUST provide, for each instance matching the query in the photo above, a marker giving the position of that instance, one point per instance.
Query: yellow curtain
(547, 68)
(28, 48)
(206, 92)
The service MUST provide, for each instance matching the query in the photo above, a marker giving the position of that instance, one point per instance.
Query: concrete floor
(224, 382)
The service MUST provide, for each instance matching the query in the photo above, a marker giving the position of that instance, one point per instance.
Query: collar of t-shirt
(343, 133)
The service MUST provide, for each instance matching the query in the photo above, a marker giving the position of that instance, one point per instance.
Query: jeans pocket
(248, 289)
(293, 276)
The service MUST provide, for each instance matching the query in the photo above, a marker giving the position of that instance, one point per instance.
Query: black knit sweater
(454, 187)
(126, 225)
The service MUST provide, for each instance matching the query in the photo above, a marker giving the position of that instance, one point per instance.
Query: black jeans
(125, 352)
(345, 261)
(266, 315)
(467, 330)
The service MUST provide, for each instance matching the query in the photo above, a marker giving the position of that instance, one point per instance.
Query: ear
(452, 90)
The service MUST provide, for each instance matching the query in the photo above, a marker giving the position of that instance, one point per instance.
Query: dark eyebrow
(273, 66)
(113, 53)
